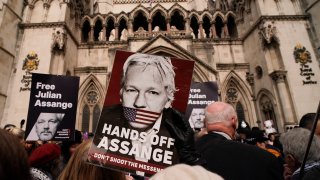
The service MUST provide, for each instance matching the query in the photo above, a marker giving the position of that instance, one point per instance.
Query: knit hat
(185, 172)
(44, 154)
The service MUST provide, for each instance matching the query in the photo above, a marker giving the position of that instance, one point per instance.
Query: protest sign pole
(315, 121)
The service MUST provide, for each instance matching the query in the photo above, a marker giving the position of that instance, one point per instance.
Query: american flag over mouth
(140, 116)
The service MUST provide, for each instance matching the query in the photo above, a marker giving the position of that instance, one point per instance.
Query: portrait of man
(46, 126)
(196, 119)
(147, 91)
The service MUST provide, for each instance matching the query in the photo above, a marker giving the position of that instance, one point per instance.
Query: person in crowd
(8, 126)
(231, 159)
(258, 138)
(185, 172)
(19, 133)
(45, 162)
(68, 147)
(30, 146)
(46, 126)
(148, 87)
(242, 131)
(13, 158)
(307, 120)
(77, 167)
(295, 144)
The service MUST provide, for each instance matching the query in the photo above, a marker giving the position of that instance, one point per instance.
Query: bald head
(220, 116)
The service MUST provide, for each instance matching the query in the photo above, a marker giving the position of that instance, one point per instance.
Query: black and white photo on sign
(45, 127)
(196, 119)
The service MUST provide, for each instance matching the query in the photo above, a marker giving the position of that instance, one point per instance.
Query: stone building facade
(260, 53)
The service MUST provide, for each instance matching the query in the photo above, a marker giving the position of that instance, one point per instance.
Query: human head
(68, 147)
(147, 83)
(47, 157)
(294, 144)
(220, 116)
(257, 137)
(47, 124)
(13, 158)
(19, 133)
(196, 118)
(78, 168)
(306, 121)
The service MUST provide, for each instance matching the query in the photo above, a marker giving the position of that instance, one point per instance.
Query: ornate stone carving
(268, 32)
(92, 97)
(250, 78)
(58, 38)
(232, 94)
(278, 76)
(31, 62)
(301, 54)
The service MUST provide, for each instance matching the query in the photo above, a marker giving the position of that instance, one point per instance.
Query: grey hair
(295, 142)
(163, 64)
(224, 115)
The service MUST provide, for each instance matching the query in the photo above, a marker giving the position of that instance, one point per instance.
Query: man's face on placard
(144, 89)
(46, 126)
(197, 117)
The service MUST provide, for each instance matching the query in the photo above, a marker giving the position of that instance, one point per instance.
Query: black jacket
(237, 161)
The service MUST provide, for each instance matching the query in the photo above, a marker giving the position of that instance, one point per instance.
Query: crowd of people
(225, 154)
(220, 150)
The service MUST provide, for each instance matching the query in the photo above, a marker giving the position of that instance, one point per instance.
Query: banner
(201, 94)
(146, 95)
(52, 108)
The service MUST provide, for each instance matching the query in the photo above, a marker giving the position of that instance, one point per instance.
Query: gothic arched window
(177, 20)
(159, 20)
(194, 26)
(219, 26)
(240, 112)
(97, 30)
(91, 110)
(85, 118)
(232, 27)
(85, 31)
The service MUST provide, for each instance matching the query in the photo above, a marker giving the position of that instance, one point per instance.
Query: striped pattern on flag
(140, 116)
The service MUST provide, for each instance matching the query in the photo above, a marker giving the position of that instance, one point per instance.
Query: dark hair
(65, 146)
(307, 120)
(78, 168)
(13, 158)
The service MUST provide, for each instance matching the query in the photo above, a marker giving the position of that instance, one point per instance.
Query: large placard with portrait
(146, 99)
(52, 108)
(201, 94)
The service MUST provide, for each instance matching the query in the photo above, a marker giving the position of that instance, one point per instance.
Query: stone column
(187, 26)
(213, 30)
(150, 26)
(225, 30)
(168, 24)
(27, 13)
(130, 27)
(91, 34)
(200, 33)
(279, 77)
(104, 31)
(46, 6)
(116, 33)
